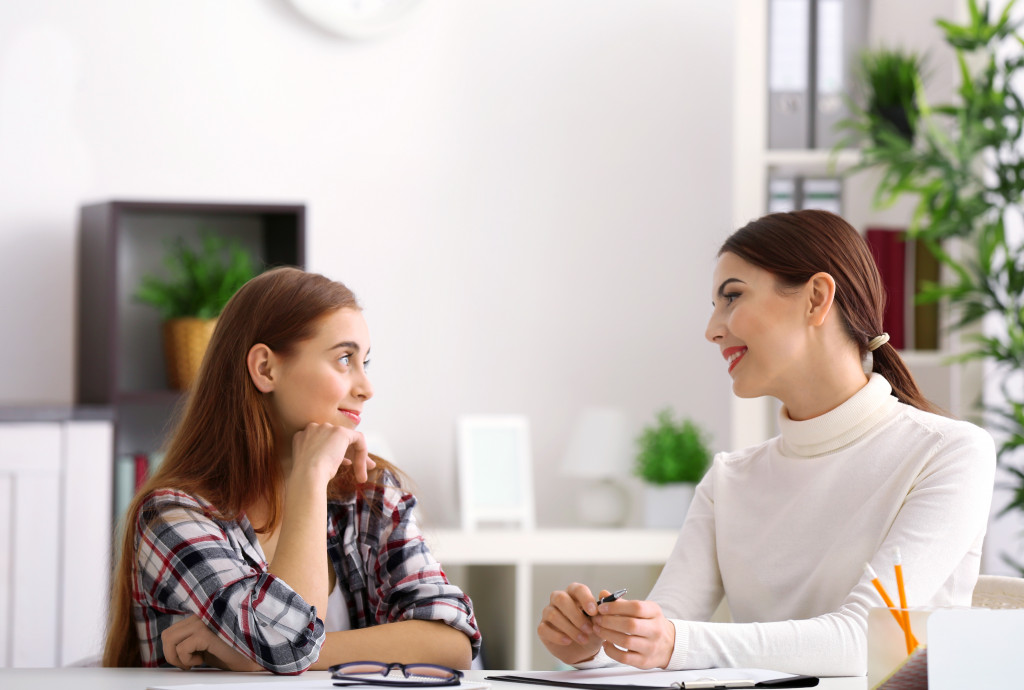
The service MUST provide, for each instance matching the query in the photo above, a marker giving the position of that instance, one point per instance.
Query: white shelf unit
(507, 561)
(891, 23)
(54, 538)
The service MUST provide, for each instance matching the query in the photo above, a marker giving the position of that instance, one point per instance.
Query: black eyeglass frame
(386, 668)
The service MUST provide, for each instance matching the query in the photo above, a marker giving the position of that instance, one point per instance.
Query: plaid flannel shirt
(190, 562)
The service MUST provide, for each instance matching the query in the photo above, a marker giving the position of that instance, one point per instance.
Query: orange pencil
(903, 602)
(888, 601)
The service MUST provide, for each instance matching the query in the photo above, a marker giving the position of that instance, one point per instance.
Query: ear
(821, 293)
(261, 363)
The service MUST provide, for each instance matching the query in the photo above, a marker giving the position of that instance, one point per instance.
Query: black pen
(610, 598)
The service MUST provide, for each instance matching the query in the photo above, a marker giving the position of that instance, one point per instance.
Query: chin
(740, 391)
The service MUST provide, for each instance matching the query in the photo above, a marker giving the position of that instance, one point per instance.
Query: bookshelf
(120, 354)
(954, 387)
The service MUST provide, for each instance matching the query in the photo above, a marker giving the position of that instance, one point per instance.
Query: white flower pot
(665, 505)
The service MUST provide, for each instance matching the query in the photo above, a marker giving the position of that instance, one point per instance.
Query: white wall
(526, 195)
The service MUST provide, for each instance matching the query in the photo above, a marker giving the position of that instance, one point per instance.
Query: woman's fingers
(628, 657)
(180, 642)
(358, 455)
(583, 598)
(329, 446)
(564, 629)
(636, 633)
(568, 631)
(189, 643)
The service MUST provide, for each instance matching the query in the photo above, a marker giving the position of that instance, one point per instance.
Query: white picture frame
(495, 471)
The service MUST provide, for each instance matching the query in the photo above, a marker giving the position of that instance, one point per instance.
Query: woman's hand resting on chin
(324, 448)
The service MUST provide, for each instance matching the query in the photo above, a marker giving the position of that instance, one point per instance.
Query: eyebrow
(726, 282)
(350, 344)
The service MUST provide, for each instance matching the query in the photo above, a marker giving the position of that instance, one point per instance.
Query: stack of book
(130, 472)
(905, 265)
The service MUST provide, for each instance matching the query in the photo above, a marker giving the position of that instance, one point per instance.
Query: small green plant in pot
(190, 300)
(672, 458)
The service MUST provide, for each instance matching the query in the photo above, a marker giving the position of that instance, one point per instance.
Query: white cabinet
(55, 535)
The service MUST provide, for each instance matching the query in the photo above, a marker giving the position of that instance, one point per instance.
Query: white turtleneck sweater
(783, 530)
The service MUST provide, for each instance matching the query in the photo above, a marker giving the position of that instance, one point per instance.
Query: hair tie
(877, 342)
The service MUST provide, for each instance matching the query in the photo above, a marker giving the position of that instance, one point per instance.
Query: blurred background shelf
(506, 574)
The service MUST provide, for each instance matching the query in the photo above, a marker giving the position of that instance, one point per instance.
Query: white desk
(139, 679)
(522, 550)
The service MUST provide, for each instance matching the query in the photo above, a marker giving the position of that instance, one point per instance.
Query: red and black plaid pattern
(190, 562)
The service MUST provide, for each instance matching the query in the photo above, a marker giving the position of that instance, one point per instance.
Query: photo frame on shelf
(495, 468)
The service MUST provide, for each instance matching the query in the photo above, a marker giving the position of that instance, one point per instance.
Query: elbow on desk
(301, 659)
(295, 667)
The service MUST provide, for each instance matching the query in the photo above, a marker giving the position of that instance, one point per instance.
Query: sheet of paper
(631, 676)
(296, 684)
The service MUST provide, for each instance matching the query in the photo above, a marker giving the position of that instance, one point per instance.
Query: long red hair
(223, 447)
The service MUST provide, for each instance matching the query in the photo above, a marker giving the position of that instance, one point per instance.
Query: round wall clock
(356, 18)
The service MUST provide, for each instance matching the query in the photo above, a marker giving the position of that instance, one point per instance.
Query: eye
(730, 297)
(344, 360)
(366, 364)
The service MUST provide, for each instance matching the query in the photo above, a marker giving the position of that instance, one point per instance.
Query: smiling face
(324, 379)
(760, 329)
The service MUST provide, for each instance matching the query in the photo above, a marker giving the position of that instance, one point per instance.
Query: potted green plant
(964, 167)
(891, 79)
(200, 282)
(672, 457)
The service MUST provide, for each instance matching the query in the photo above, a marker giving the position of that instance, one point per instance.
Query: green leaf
(671, 451)
(200, 281)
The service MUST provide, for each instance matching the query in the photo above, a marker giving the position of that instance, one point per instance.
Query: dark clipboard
(788, 682)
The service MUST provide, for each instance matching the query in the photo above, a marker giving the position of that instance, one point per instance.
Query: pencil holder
(887, 646)
(966, 648)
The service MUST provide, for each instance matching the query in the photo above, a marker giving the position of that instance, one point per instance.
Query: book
(925, 316)
(889, 251)
(141, 470)
(124, 484)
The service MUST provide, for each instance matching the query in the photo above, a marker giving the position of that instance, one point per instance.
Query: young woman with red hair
(267, 500)
(863, 466)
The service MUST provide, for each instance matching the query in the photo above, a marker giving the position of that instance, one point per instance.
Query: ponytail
(887, 362)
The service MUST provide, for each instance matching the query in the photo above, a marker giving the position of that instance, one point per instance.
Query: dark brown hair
(795, 245)
(223, 447)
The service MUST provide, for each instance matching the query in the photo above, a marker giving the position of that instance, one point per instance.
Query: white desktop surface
(79, 678)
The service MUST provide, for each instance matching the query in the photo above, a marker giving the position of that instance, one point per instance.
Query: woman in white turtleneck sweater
(864, 465)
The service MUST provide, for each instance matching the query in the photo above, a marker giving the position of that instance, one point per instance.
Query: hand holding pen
(566, 628)
(575, 626)
(636, 632)
(614, 596)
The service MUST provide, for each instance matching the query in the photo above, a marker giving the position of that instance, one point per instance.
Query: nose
(715, 329)
(361, 387)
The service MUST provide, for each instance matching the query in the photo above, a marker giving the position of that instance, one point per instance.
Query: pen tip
(899, 558)
(870, 571)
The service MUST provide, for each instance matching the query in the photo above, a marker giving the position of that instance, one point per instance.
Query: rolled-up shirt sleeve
(410, 583)
(189, 563)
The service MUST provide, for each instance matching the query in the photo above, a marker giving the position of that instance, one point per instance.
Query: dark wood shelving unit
(120, 361)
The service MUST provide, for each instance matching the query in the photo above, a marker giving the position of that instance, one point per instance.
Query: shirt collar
(842, 426)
